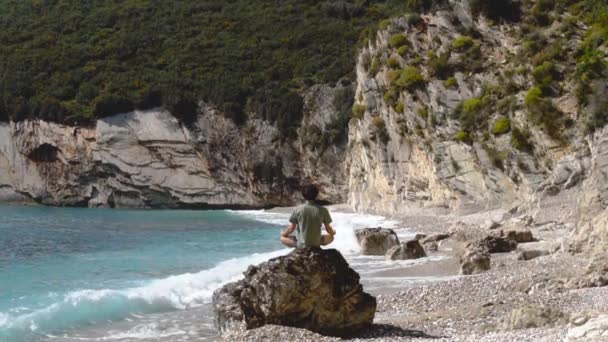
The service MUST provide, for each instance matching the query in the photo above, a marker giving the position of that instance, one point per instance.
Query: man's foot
(326, 239)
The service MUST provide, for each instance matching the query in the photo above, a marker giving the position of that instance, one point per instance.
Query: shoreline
(498, 305)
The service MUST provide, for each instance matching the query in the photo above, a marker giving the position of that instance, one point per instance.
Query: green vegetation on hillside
(73, 61)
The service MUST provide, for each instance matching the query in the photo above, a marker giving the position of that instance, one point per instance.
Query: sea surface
(141, 275)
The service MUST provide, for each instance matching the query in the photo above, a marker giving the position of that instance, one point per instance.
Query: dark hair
(310, 192)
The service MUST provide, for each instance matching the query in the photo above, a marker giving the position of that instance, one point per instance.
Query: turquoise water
(62, 269)
(141, 275)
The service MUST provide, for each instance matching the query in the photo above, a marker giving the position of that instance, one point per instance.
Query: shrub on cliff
(463, 136)
(462, 42)
(402, 51)
(424, 5)
(501, 126)
(520, 140)
(393, 63)
(533, 97)
(544, 75)
(398, 40)
(497, 9)
(380, 132)
(358, 111)
(472, 105)
(399, 107)
(439, 65)
(451, 82)
(409, 78)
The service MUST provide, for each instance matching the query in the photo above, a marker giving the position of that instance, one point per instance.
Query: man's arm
(330, 229)
(327, 222)
(292, 227)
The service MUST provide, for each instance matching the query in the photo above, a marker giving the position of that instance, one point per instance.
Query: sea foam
(182, 291)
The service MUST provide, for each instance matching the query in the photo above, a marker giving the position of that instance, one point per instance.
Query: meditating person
(306, 220)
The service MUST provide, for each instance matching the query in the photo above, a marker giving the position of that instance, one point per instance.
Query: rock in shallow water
(309, 288)
(376, 241)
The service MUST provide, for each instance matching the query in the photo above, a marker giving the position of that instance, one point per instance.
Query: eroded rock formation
(310, 288)
(150, 159)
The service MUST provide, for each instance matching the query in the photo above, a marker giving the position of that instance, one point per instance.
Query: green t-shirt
(309, 219)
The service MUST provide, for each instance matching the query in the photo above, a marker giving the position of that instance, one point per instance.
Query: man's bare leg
(289, 241)
(326, 239)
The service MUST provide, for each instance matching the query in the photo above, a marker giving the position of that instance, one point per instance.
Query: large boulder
(409, 250)
(309, 288)
(520, 235)
(532, 250)
(493, 244)
(376, 241)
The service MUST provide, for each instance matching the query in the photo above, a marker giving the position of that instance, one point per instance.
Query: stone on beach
(474, 261)
(408, 250)
(518, 235)
(376, 241)
(309, 288)
(493, 244)
(594, 328)
(532, 250)
(534, 317)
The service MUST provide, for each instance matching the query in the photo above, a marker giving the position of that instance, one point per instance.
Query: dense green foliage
(73, 61)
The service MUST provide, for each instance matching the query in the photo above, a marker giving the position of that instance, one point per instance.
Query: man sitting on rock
(308, 219)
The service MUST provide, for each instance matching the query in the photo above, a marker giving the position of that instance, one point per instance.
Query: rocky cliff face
(149, 159)
(448, 113)
(451, 110)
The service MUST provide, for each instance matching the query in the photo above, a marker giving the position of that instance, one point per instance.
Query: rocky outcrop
(150, 159)
(591, 233)
(408, 250)
(309, 288)
(410, 145)
(376, 241)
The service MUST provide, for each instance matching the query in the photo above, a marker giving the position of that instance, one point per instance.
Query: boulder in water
(409, 250)
(309, 288)
(376, 241)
